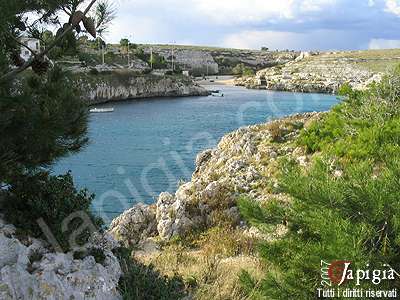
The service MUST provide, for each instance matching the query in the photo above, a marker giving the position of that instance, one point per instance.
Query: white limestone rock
(54, 276)
(134, 225)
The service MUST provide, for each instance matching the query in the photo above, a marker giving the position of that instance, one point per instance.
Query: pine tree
(350, 215)
(42, 117)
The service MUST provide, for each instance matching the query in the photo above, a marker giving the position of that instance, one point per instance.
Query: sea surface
(149, 146)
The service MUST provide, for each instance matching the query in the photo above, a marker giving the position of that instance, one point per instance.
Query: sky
(252, 24)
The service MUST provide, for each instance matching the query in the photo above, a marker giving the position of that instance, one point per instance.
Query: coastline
(106, 88)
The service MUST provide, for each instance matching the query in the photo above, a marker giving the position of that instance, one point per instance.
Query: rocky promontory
(120, 85)
(325, 72)
(245, 163)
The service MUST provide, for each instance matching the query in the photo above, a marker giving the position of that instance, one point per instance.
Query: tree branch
(28, 63)
(23, 45)
(66, 11)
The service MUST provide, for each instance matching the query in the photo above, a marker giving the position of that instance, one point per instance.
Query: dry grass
(211, 264)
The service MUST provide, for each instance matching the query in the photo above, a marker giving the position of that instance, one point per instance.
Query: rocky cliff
(325, 72)
(245, 163)
(116, 86)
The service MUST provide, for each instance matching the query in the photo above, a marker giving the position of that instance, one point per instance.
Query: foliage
(104, 14)
(124, 43)
(47, 120)
(243, 70)
(42, 118)
(52, 199)
(364, 125)
(144, 282)
(89, 59)
(345, 206)
(157, 60)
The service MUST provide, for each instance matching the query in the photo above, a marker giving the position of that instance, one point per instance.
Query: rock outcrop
(315, 72)
(134, 225)
(243, 164)
(123, 86)
(28, 270)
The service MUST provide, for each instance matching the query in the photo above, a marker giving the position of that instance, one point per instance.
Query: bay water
(149, 146)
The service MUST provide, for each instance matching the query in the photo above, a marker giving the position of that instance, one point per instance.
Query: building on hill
(31, 43)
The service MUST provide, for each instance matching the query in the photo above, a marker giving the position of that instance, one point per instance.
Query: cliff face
(116, 87)
(321, 72)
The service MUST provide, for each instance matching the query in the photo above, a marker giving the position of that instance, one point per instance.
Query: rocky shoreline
(120, 86)
(244, 164)
(314, 73)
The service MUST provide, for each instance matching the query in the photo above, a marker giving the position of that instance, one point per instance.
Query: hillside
(203, 60)
(326, 71)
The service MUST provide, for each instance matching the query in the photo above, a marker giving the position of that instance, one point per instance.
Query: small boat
(218, 94)
(101, 110)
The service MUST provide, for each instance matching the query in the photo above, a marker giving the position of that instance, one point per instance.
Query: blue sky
(277, 24)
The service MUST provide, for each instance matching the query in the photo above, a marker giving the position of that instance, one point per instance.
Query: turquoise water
(145, 147)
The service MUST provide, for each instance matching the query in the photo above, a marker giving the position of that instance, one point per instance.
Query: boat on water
(101, 110)
(217, 94)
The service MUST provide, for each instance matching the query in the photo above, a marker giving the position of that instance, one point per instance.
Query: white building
(32, 43)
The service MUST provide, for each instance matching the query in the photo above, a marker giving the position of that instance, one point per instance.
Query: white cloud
(315, 6)
(137, 30)
(393, 6)
(293, 24)
(257, 39)
(255, 11)
(384, 44)
(281, 40)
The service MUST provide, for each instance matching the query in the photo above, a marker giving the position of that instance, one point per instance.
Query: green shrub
(352, 215)
(140, 282)
(89, 59)
(350, 218)
(94, 72)
(356, 128)
(52, 199)
(242, 70)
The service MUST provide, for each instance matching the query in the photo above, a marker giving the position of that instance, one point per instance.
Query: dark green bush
(94, 72)
(52, 199)
(359, 126)
(89, 59)
(140, 282)
(353, 218)
(45, 121)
